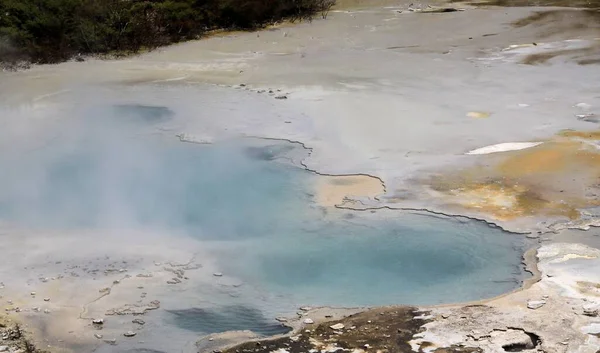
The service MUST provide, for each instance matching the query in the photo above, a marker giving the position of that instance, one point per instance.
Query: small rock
(138, 321)
(218, 274)
(112, 342)
(583, 106)
(445, 316)
(306, 308)
(98, 336)
(283, 96)
(309, 321)
(32, 294)
(535, 304)
(36, 309)
(589, 117)
(46, 299)
(46, 311)
(98, 321)
(129, 334)
(590, 310)
(366, 346)
(281, 319)
(337, 326)
(3, 348)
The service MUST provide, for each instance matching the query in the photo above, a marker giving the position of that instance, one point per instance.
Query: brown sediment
(588, 61)
(336, 190)
(377, 330)
(559, 22)
(556, 178)
(592, 15)
(542, 58)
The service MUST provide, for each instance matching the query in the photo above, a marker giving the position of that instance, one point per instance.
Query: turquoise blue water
(258, 218)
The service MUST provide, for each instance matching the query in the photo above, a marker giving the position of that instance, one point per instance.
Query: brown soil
(384, 330)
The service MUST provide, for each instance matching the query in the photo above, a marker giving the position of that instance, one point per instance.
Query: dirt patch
(588, 61)
(378, 330)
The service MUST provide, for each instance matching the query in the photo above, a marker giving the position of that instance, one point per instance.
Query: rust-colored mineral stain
(561, 155)
(586, 135)
(505, 201)
(550, 179)
(545, 158)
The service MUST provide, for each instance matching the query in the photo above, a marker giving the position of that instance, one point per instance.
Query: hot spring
(253, 209)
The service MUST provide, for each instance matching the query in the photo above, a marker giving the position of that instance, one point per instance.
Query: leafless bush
(325, 6)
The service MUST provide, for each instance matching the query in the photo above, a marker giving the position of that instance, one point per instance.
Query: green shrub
(47, 31)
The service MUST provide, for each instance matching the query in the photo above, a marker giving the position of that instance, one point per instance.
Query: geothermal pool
(252, 208)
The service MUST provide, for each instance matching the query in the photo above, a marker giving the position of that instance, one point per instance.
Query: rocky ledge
(13, 339)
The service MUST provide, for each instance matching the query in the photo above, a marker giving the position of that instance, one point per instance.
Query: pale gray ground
(371, 91)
